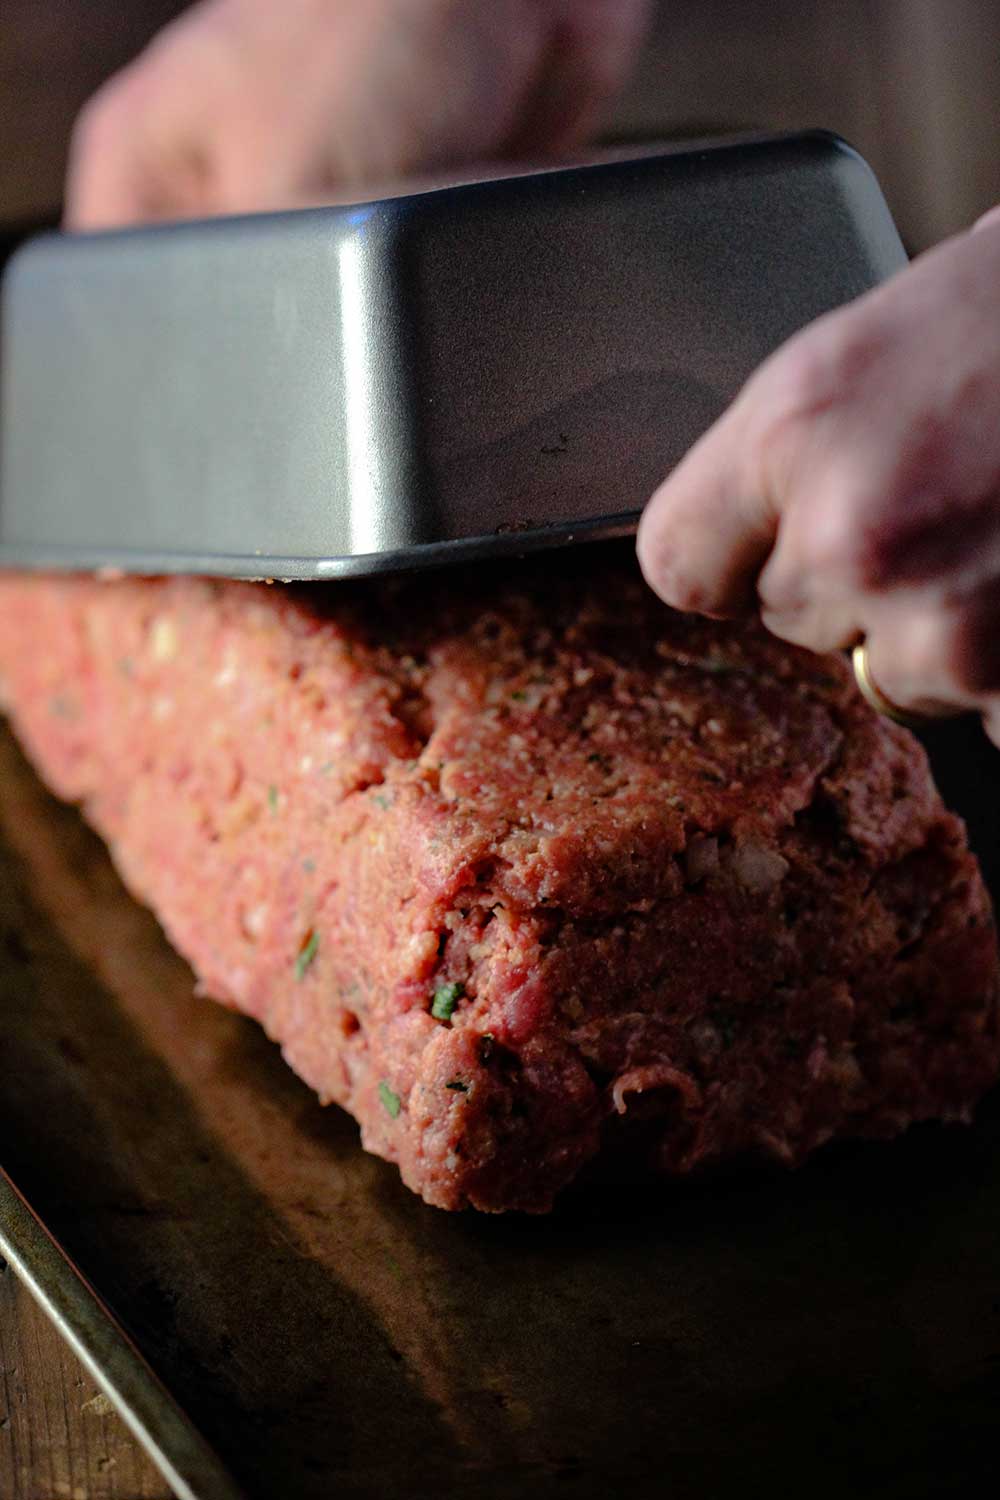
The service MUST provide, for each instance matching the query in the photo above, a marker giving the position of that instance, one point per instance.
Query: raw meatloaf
(521, 868)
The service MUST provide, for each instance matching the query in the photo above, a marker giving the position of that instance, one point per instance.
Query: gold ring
(874, 695)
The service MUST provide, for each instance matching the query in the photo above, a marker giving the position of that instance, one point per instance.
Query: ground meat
(521, 868)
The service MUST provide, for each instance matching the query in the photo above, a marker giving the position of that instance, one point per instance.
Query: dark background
(915, 84)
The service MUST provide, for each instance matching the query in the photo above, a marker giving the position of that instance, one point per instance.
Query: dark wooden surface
(60, 1438)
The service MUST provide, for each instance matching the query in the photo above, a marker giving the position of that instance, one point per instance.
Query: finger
(709, 527)
(871, 439)
(818, 627)
(101, 190)
(712, 524)
(931, 660)
(134, 153)
(140, 148)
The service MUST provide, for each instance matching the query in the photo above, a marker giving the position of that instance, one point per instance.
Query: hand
(853, 488)
(244, 105)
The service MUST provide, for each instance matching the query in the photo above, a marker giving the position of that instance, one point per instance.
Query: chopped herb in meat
(390, 1101)
(446, 997)
(725, 1023)
(272, 798)
(306, 954)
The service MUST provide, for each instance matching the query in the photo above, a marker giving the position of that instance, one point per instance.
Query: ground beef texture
(527, 872)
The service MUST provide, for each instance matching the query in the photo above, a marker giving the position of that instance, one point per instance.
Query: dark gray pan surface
(421, 380)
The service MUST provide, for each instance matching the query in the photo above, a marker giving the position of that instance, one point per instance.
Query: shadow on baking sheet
(833, 1332)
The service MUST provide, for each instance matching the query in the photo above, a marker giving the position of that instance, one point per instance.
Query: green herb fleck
(382, 800)
(519, 695)
(306, 954)
(457, 1085)
(725, 1024)
(309, 866)
(446, 997)
(390, 1101)
(272, 798)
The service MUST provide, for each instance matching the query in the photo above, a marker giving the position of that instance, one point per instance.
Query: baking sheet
(830, 1332)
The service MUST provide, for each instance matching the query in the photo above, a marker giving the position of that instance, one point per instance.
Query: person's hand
(852, 491)
(246, 105)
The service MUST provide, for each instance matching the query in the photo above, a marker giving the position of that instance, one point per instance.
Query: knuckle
(840, 544)
(106, 116)
(799, 374)
(835, 535)
(93, 124)
(849, 523)
(828, 362)
(859, 344)
(810, 397)
(799, 458)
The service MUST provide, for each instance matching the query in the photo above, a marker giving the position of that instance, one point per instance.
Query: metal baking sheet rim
(107, 1353)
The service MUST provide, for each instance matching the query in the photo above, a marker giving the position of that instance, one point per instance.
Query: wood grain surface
(60, 1438)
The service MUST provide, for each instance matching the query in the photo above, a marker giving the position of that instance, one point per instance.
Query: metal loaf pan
(498, 366)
